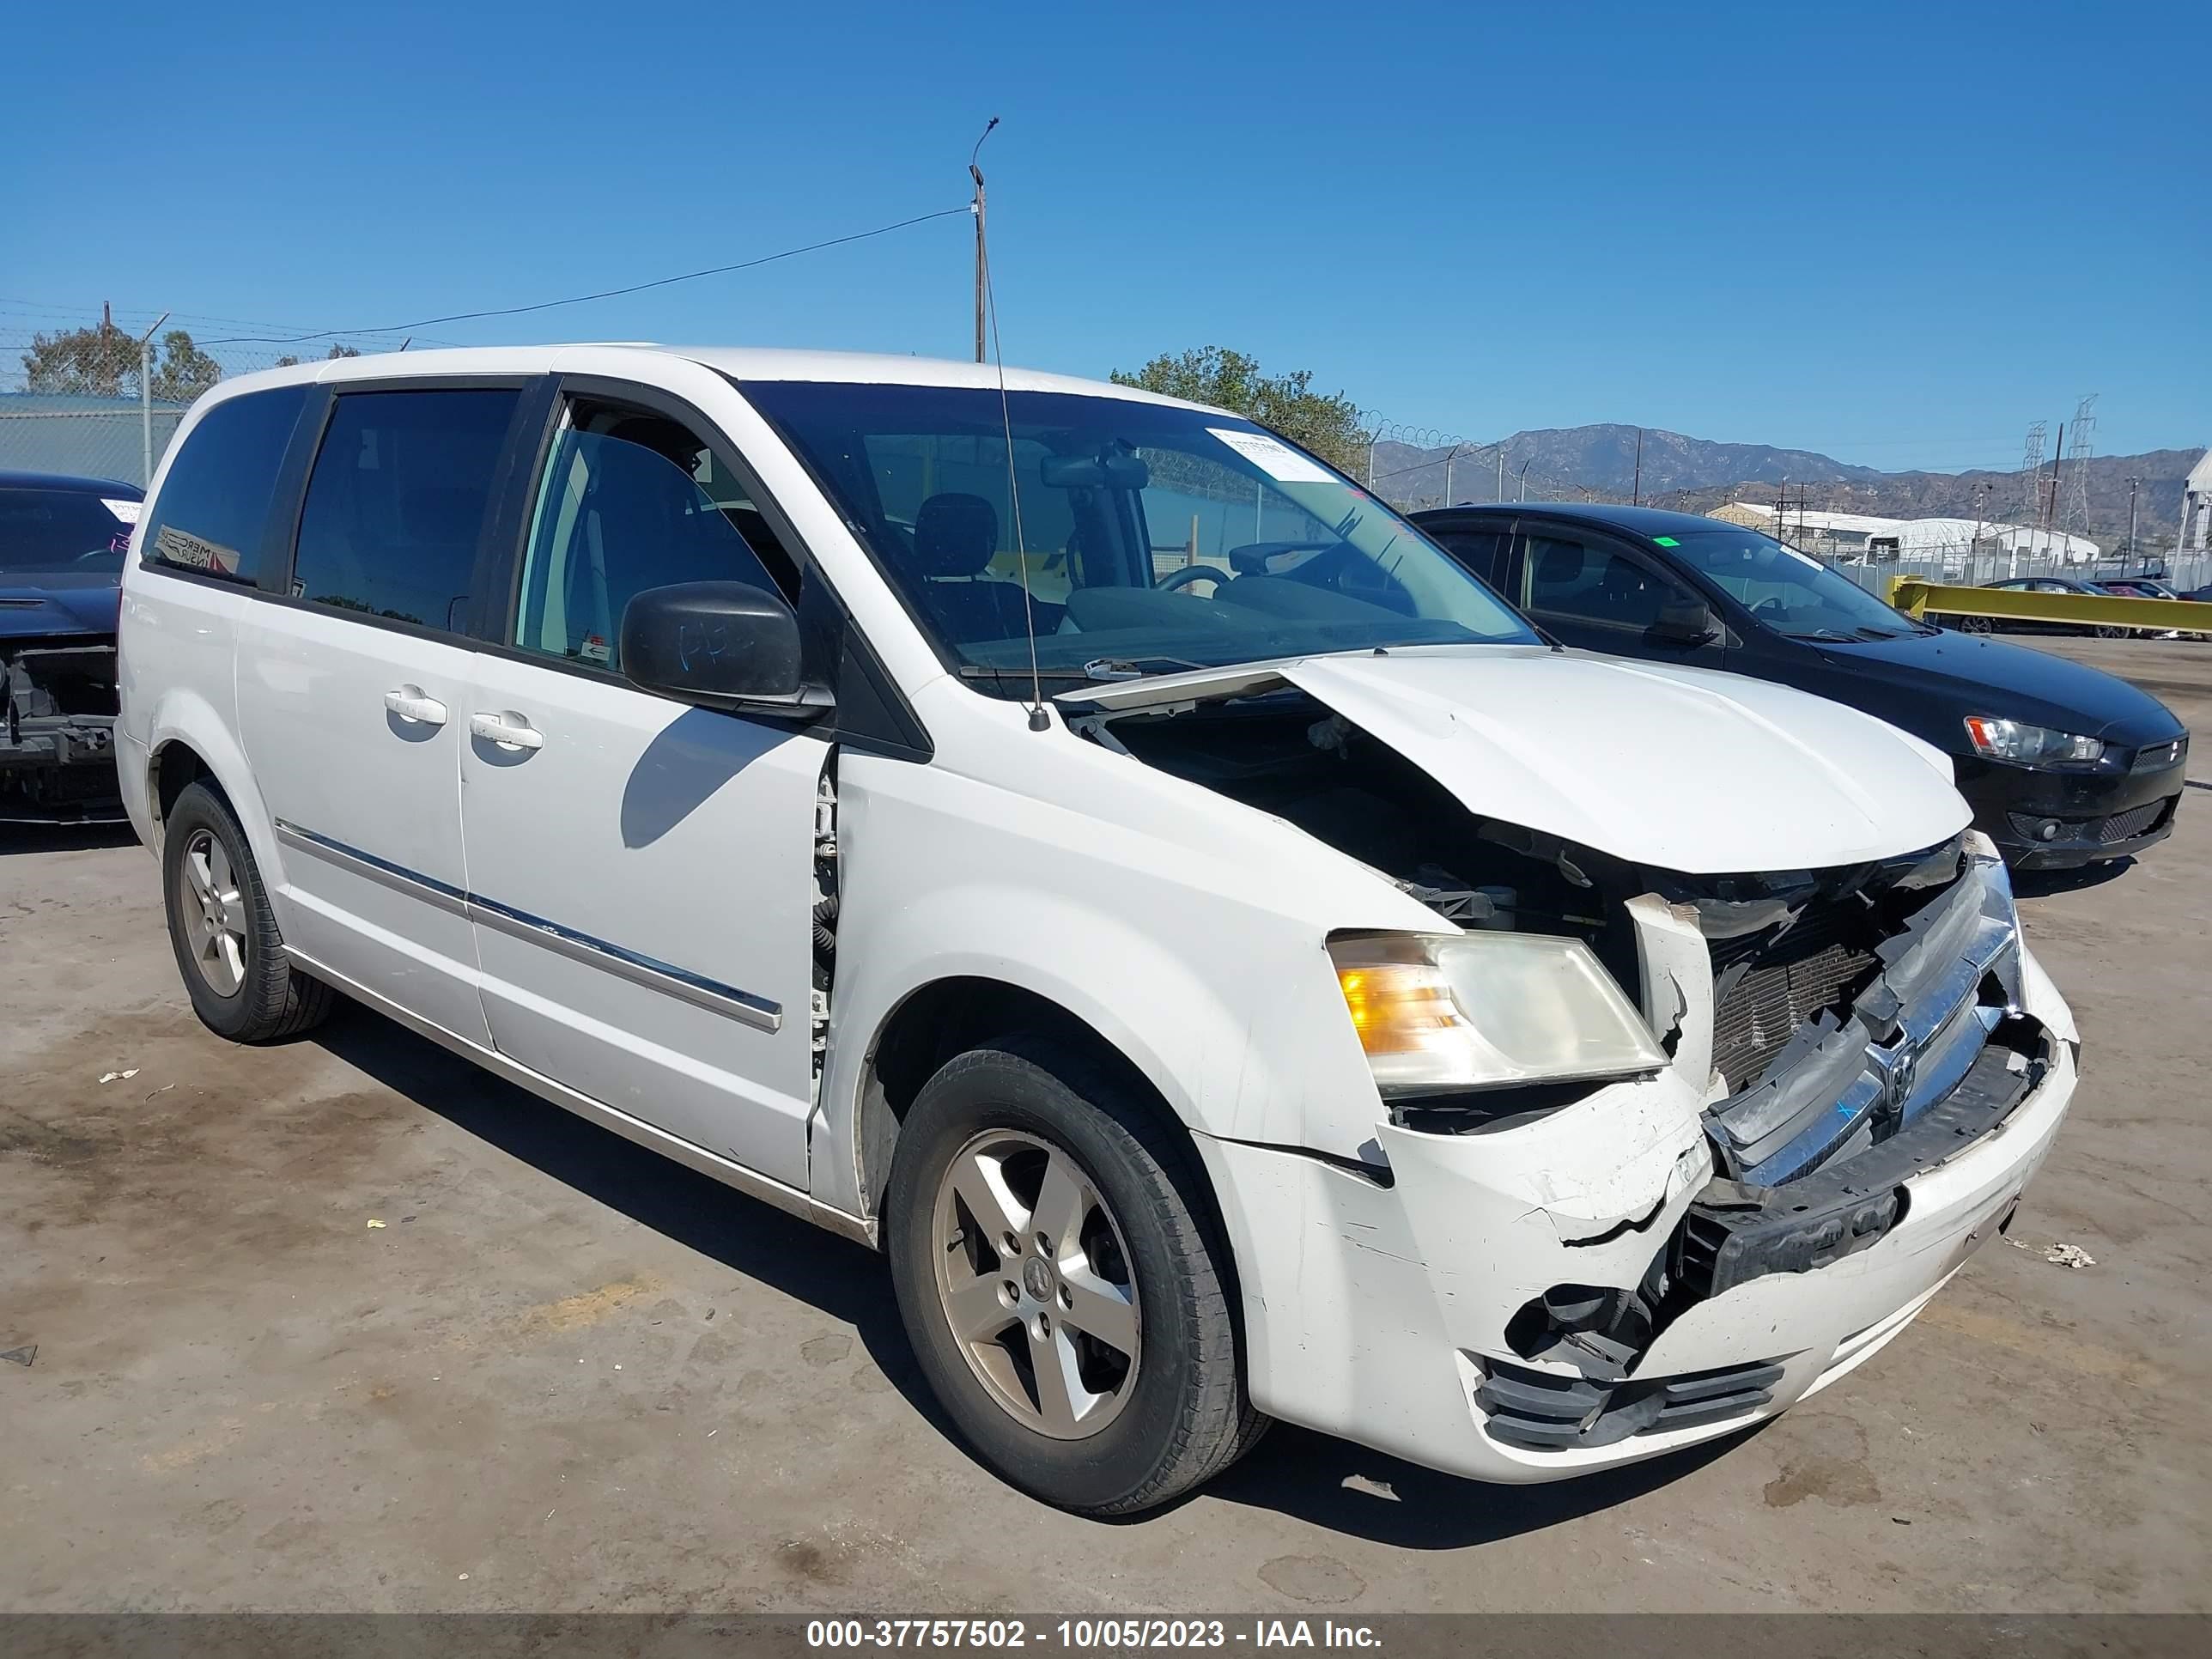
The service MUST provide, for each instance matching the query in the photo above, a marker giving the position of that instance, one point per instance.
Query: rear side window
(397, 502)
(213, 508)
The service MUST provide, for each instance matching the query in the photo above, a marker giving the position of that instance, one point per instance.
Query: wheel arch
(189, 743)
(958, 1013)
(949, 1015)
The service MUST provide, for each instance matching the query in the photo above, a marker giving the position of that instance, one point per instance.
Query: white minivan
(1091, 850)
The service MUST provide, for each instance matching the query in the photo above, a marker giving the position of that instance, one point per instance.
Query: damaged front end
(1869, 1026)
(57, 707)
(1605, 1251)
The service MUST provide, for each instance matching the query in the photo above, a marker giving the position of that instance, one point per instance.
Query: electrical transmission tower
(2077, 467)
(2031, 475)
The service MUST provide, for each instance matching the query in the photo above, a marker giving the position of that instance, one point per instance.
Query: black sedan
(2063, 765)
(62, 546)
(2046, 585)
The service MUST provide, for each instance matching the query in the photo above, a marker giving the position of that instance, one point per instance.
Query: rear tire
(1159, 1403)
(228, 945)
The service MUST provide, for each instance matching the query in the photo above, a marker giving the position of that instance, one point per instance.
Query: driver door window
(629, 501)
(1594, 595)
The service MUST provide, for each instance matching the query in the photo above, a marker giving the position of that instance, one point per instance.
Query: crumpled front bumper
(55, 767)
(59, 769)
(1385, 1313)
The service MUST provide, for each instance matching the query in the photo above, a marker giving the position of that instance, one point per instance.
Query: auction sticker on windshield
(1277, 460)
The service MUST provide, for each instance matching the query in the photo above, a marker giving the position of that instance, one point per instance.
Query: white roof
(1929, 535)
(741, 362)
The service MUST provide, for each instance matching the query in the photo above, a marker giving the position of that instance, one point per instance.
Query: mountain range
(1698, 474)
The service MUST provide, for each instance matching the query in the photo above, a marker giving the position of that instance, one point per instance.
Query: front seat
(1627, 595)
(955, 537)
(1558, 568)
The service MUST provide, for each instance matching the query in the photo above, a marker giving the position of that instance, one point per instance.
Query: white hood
(1683, 768)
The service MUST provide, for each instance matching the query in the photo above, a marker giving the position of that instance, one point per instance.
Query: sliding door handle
(410, 704)
(509, 730)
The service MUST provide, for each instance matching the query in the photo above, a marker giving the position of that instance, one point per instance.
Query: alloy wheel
(1035, 1281)
(213, 912)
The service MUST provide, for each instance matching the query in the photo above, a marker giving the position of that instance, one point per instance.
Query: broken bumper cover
(1383, 1313)
(59, 769)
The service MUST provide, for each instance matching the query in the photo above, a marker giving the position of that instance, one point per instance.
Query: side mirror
(1690, 622)
(720, 645)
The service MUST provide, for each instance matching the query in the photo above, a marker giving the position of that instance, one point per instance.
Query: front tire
(228, 945)
(1062, 1282)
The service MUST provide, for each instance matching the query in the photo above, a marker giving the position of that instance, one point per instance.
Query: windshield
(1791, 593)
(1155, 538)
(44, 532)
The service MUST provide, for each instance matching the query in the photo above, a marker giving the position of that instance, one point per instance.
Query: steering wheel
(1176, 580)
(1773, 606)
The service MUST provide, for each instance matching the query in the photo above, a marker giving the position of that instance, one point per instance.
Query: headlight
(1472, 1010)
(2035, 745)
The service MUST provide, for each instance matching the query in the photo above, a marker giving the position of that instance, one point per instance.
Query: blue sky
(1896, 232)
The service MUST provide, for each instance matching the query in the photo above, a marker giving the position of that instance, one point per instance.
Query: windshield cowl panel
(1129, 536)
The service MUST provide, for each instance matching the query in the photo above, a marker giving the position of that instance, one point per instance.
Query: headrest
(1562, 563)
(955, 535)
(448, 514)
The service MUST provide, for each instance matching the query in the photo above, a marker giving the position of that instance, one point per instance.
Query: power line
(603, 293)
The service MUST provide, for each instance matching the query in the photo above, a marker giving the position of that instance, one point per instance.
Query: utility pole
(2050, 502)
(1524, 496)
(1500, 496)
(1448, 460)
(982, 259)
(2132, 482)
(1636, 491)
(146, 402)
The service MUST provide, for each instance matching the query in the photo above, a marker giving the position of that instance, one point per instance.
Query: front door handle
(410, 704)
(509, 730)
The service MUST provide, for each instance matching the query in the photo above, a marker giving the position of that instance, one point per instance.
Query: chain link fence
(101, 397)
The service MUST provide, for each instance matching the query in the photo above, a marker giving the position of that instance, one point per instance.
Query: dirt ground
(563, 1374)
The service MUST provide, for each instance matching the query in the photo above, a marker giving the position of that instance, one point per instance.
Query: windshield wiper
(1097, 670)
(1135, 668)
(1820, 634)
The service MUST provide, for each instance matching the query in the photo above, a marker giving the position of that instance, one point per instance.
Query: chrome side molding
(650, 972)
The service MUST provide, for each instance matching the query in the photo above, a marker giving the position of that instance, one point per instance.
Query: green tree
(336, 351)
(183, 371)
(98, 361)
(1326, 424)
(101, 361)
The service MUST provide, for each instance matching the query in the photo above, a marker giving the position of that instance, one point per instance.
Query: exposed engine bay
(1865, 1024)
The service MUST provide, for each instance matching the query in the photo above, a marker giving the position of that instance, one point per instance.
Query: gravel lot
(565, 1374)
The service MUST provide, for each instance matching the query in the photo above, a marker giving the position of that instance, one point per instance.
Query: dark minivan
(2063, 765)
